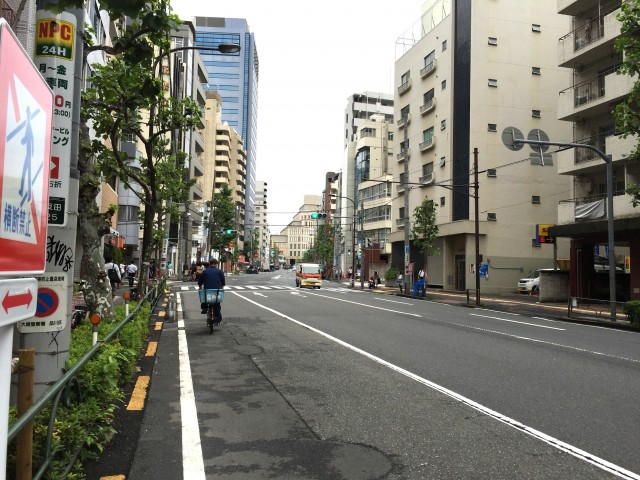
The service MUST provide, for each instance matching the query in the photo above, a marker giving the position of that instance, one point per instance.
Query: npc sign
(25, 142)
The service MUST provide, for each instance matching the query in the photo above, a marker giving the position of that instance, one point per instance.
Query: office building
(235, 77)
(467, 71)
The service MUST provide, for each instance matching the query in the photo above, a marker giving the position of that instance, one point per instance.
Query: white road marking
(543, 342)
(192, 461)
(392, 301)
(365, 305)
(258, 294)
(515, 321)
(549, 440)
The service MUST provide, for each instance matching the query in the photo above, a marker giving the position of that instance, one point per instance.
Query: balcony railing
(428, 144)
(592, 89)
(427, 179)
(428, 106)
(428, 69)
(404, 87)
(405, 119)
(404, 153)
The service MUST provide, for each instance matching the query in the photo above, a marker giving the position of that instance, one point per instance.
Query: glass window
(428, 60)
(493, 41)
(428, 96)
(404, 79)
(492, 127)
(443, 85)
(427, 135)
(427, 169)
(536, 28)
(444, 45)
(443, 124)
(536, 113)
(535, 71)
(442, 201)
(493, 82)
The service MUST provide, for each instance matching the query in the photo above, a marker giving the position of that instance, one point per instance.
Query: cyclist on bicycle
(212, 278)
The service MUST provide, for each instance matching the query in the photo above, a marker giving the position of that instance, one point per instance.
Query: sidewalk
(509, 302)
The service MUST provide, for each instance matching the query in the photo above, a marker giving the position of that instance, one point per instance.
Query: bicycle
(78, 302)
(213, 298)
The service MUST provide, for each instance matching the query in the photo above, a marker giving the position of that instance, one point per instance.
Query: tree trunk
(92, 225)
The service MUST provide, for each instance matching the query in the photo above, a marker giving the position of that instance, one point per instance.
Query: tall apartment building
(366, 152)
(470, 70)
(224, 158)
(235, 76)
(587, 100)
(261, 225)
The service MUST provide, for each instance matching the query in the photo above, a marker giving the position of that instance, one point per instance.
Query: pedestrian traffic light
(231, 244)
(316, 215)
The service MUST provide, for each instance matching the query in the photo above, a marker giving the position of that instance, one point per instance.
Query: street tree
(627, 112)
(425, 231)
(222, 219)
(126, 101)
(323, 247)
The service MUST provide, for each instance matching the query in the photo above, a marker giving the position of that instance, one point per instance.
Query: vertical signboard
(25, 141)
(55, 58)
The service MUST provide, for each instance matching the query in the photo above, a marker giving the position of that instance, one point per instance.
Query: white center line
(515, 321)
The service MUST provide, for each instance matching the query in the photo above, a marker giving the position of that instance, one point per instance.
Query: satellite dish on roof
(510, 134)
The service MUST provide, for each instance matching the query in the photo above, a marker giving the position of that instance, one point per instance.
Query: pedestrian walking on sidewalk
(399, 280)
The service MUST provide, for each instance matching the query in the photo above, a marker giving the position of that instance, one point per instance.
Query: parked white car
(530, 283)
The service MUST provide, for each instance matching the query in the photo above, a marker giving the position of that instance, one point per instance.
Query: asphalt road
(335, 383)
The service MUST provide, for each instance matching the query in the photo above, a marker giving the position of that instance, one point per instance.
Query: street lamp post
(610, 228)
(222, 48)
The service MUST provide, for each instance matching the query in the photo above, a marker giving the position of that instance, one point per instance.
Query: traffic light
(230, 244)
(230, 232)
(316, 215)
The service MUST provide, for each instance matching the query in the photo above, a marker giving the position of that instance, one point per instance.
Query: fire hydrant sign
(25, 146)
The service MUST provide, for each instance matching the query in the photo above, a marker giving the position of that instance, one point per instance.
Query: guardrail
(67, 388)
(593, 307)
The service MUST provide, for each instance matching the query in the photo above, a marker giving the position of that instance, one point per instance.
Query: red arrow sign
(20, 300)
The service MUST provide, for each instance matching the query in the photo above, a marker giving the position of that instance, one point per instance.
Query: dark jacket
(211, 278)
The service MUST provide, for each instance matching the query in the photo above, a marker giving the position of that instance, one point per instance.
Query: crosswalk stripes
(267, 287)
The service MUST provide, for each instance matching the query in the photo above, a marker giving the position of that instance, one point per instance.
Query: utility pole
(362, 248)
(476, 198)
(405, 188)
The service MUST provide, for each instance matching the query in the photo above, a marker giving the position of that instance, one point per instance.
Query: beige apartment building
(224, 159)
(586, 101)
(467, 71)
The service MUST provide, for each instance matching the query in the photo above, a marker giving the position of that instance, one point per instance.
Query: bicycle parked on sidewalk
(213, 299)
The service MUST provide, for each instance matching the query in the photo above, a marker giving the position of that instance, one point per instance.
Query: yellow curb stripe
(139, 393)
(158, 325)
(162, 313)
(151, 349)
(113, 477)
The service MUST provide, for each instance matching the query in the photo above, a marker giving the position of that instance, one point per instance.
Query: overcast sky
(313, 56)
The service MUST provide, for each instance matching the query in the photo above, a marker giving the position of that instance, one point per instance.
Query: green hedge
(632, 311)
(89, 422)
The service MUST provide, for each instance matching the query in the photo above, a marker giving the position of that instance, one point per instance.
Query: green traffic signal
(316, 215)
